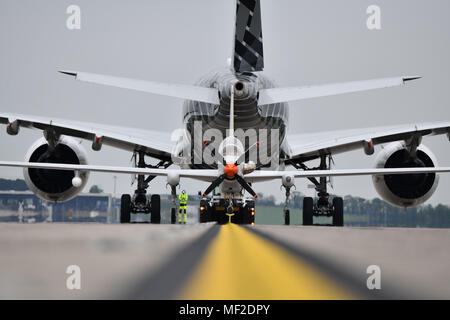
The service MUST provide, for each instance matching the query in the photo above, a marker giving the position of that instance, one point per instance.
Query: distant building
(24, 206)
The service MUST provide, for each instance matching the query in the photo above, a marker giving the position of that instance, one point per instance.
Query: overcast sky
(305, 42)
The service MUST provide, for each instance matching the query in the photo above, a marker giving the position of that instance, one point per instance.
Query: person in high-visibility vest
(183, 197)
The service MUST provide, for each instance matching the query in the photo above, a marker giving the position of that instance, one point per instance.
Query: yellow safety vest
(183, 199)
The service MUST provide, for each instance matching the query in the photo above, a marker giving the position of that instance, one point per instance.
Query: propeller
(214, 184)
(230, 172)
(246, 186)
(246, 153)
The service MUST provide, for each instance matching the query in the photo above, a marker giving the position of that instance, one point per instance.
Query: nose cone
(230, 169)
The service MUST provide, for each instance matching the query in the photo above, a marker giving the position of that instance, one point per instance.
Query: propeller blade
(214, 184)
(243, 156)
(246, 186)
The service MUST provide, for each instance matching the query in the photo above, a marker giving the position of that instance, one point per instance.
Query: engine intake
(55, 185)
(406, 190)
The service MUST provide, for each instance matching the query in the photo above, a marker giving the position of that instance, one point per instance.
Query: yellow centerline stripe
(243, 266)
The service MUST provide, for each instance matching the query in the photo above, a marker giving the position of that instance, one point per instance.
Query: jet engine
(56, 185)
(406, 190)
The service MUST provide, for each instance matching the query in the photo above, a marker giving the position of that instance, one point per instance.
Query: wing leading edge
(211, 175)
(152, 143)
(307, 146)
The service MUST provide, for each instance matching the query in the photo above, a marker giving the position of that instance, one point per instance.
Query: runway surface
(142, 261)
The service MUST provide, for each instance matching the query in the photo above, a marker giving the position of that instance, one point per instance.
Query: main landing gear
(323, 207)
(140, 202)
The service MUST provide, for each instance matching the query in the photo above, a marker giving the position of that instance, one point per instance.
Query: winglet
(406, 79)
(70, 73)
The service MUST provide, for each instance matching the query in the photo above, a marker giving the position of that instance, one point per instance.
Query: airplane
(236, 99)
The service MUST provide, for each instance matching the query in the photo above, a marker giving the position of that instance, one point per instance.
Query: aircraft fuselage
(252, 122)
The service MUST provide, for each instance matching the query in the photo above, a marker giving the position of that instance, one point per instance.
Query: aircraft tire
(173, 215)
(155, 214)
(338, 212)
(125, 208)
(287, 217)
(307, 211)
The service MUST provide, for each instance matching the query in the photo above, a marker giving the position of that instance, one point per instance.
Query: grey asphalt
(414, 263)
(152, 261)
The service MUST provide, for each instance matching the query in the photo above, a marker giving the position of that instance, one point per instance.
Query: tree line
(376, 212)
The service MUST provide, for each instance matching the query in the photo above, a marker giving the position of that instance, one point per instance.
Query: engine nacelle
(56, 185)
(406, 190)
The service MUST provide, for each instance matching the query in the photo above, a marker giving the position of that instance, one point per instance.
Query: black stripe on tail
(248, 45)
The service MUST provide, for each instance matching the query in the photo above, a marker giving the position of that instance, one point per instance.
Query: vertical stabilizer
(248, 43)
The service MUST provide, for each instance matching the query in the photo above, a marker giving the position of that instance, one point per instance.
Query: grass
(272, 215)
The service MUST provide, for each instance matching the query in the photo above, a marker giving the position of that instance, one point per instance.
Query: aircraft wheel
(338, 212)
(125, 208)
(155, 214)
(287, 217)
(307, 211)
(204, 216)
(173, 215)
(248, 218)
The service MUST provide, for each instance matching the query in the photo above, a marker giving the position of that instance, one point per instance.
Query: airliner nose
(230, 170)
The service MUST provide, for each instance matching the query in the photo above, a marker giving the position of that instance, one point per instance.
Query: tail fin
(248, 43)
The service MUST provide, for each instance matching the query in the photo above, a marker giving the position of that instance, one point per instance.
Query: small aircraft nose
(230, 169)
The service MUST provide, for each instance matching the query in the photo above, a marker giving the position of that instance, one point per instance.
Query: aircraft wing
(208, 175)
(307, 146)
(154, 144)
(263, 175)
(212, 174)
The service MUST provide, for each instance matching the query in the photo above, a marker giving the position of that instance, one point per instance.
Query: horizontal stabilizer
(187, 92)
(279, 95)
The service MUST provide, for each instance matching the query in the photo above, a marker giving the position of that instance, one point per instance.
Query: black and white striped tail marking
(248, 44)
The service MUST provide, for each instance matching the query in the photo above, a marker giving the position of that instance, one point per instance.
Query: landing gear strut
(322, 207)
(286, 212)
(173, 210)
(140, 202)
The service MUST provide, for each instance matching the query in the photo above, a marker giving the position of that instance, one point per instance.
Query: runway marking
(242, 265)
